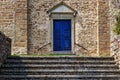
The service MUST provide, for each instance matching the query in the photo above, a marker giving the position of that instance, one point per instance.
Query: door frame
(63, 17)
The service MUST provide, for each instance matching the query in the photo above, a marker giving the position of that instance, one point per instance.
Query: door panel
(62, 35)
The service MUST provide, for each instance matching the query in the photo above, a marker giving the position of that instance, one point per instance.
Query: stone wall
(85, 25)
(115, 42)
(114, 9)
(13, 22)
(5, 47)
(94, 24)
(115, 48)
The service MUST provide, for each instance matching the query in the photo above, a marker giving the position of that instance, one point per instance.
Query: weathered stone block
(5, 47)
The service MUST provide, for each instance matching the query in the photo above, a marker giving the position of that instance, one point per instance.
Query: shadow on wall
(5, 47)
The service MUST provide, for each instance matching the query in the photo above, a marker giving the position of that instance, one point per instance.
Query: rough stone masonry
(27, 23)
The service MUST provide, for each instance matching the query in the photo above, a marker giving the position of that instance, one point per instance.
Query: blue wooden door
(62, 35)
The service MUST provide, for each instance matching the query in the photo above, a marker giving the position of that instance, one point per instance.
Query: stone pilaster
(103, 28)
(20, 40)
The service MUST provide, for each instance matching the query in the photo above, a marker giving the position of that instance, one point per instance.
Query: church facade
(83, 27)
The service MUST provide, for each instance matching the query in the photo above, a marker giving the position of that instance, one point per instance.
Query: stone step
(49, 70)
(58, 72)
(57, 62)
(59, 68)
(62, 58)
(61, 77)
(62, 67)
(56, 65)
(89, 67)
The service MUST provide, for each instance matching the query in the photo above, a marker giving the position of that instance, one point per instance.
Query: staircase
(59, 68)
